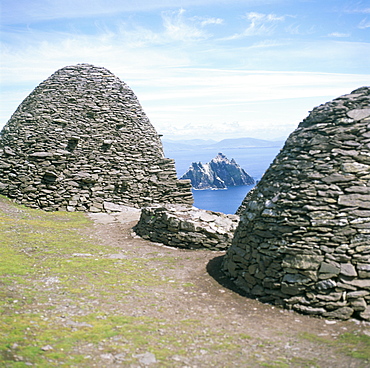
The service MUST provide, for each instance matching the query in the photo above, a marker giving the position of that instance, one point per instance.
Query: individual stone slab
(303, 240)
(82, 142)
(187, 227)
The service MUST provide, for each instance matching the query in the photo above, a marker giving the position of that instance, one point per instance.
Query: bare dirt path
(77, 292)
(258, 334)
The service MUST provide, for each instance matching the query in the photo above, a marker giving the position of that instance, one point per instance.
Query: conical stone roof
(81, 141)
(303, 240)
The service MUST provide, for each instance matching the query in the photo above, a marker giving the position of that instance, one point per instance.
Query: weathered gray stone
(308, 310)
(357, 294)
(347, 269)
(302, 261)
(359, 114)
(328, 268)
(355, 167)
(326, 284)
(355, 200)
(338, 178)
(310, 213)
(295, 278)
(366, 313)
(187, 227)
(359, 304)
(340, 313)
(361, 284)
(84, 130)
(332, 297)
(363, 267)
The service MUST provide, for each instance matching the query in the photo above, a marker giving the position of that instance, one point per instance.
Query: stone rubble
(303, 240)
(186, 227)
(81, 142)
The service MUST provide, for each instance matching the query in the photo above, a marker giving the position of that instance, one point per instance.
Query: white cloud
(188, 80)
(208, 21)
(259, 24)
(354, 8)
(180, 100)
(365, 23)
(134, 36)
(225, 103)
(255, 17)
(20, 11)
(339, 34)
(177, 28)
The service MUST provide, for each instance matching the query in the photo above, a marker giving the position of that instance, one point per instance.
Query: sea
(254, 160)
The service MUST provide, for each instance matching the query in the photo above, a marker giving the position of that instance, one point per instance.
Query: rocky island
(219, 173)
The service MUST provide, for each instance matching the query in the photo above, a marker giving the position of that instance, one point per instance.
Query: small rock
(366, 313)
(146, 358)
(108, 356)
(347, 269)
(340, 313)
(82, 255)
(47, 348)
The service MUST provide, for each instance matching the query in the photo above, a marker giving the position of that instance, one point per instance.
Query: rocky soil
(179, 310)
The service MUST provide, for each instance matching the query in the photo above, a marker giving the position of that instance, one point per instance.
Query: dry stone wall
(187, 227)
(303, 240)
(81, 141)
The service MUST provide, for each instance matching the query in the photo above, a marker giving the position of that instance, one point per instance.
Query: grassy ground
(72, 296)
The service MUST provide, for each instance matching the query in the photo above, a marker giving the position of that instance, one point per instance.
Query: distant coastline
(255, 160)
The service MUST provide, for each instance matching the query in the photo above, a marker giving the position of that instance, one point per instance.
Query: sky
(209, 69)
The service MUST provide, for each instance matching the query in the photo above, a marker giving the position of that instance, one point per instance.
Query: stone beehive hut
(81, 141)
(303, 240)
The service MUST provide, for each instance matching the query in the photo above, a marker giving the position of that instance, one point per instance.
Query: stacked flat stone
(187, 227)
(303, 240)
(81, 141)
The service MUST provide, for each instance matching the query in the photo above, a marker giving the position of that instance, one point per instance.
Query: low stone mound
(187, 227)
(303, 240)
(81, 141)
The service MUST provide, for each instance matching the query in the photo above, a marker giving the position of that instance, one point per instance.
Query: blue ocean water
(226, 200)
(254, 160)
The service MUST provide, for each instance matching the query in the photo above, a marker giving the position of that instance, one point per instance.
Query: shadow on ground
(214, 269)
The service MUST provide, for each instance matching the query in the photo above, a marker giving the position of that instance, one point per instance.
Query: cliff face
(219, 173)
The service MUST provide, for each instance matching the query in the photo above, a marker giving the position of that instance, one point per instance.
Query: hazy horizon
(177, 139)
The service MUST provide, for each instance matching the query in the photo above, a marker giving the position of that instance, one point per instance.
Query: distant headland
(219, 173)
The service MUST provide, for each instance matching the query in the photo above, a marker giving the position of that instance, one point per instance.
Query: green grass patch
(64, 301)
(276, 364)
(48, 264)
(26, 336)
(303, 363)
(317, 339)
(39, 250)
(354, 345)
